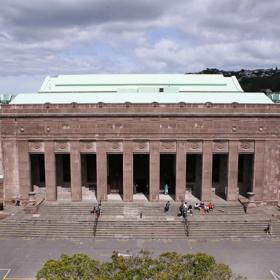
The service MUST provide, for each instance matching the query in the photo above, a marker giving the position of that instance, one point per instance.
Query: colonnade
(181, 148)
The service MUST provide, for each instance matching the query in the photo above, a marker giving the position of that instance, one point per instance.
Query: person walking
(98, 211)
(185, 211)
(167, 206)
(18, 200)
(268, 229)
(93, 211)
(99, 206)
(166, 189)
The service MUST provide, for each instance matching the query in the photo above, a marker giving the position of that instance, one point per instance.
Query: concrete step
(131, 209)
(132, 229)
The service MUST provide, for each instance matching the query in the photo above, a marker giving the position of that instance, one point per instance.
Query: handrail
(95, 226)
(187, 226)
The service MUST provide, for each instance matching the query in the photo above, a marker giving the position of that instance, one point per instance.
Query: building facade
(136, 134)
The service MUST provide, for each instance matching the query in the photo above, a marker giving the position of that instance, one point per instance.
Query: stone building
(132, 134)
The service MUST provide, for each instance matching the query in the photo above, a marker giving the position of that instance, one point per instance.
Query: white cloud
(40, 37)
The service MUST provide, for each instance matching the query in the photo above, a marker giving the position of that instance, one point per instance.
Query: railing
(186, 226)
(97, 215)
(95, 226)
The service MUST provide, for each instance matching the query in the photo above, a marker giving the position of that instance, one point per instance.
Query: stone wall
(164, 127)
(272, 171)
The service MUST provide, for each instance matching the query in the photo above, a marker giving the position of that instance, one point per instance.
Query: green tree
(168, 266)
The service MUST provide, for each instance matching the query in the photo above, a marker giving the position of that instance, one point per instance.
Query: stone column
(75, 167)
(258, 181)
(50, 173)
(154, 171)
(24, 170)
(207, 164)
(1, 192)
(127, 171)
(11, 176)
(180, 171)
(232, 171)
(198, 176)
(101, 169)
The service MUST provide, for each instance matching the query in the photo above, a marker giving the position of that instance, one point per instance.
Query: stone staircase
(231, 229)
(122, 220)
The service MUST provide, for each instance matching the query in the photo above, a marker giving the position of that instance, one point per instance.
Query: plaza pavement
(252, 258)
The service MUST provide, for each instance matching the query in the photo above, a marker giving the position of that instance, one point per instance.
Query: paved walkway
(254, 258)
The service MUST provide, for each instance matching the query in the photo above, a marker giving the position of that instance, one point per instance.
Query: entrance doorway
(220, 174)
(168, 172)
(115, 173)
(88, 164)
(245, 173)
(37, 167)
(63, 175)
(88, 173)
(141, 173)
(194, 174)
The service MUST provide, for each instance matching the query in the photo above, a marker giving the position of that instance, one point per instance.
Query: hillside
(258, 80)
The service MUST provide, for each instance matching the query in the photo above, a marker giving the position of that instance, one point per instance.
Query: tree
(168, 266)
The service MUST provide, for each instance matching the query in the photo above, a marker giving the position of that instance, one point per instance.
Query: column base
(206, 197)
(75, 200)
(251, 208)
(232, 197)
(52, 198)
(76, 197)
(180, 197)
(128, 198)
(102, 197)
(154, 197)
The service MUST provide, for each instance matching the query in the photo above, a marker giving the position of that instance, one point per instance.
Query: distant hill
(258, 80)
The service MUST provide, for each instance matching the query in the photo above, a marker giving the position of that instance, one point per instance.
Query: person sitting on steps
(210, 206)
(190, 209)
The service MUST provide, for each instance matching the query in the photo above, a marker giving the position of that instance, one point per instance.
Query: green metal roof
(120, 82)
(141, 88)
(144, 97)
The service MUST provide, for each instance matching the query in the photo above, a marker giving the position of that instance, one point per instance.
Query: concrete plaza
(252, 258)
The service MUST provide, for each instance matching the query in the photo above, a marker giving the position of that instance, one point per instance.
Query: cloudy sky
(49, 37)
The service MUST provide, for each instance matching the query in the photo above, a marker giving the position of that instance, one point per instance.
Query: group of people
(202, 207)
(186, 208)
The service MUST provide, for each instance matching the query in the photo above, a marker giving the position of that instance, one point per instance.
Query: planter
(251, 205)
